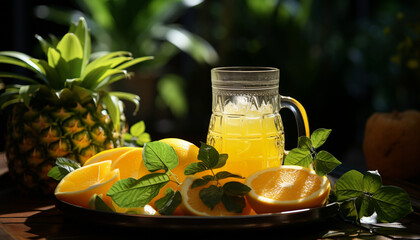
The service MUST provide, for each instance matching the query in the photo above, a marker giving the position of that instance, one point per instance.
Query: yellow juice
(253, 139)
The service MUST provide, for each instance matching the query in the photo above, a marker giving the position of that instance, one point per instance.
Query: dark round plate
(283, 219)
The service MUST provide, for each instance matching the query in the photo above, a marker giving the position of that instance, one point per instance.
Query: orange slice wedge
(286, 188)
(78, 186)
(110, 154)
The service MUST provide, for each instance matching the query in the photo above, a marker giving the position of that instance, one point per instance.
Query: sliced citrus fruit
(187, 153)
(110, 154)
(130, 164)
(146, 210)
(192, 204)
(78, 186)
(286, 188)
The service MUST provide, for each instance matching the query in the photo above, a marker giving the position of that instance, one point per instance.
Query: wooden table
(36, 217)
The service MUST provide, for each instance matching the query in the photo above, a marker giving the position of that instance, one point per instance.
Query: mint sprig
(231, 194)
(362, 195)
(306, 153)
(359, 195)
(63, 166)
(137, 136)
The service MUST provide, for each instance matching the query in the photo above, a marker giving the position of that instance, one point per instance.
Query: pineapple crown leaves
(68, 68)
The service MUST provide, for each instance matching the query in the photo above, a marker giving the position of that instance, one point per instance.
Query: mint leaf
(236, 188)
(349, 185)
(211, 196)
(143, 138)
(372, 181)
(158, 155)
(391, 203)
(129, 192)
(304, 143)
(225, 174)
(97, 203)
(208, 155)
(325, 162)
(233, 203)
(63, 167)
(138, 128)
(222, 161)
(168, 204)
(194, 168)
(319, 137)
(362, 195)
(299, 156)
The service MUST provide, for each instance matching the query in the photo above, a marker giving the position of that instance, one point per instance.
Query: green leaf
(236, 188)
(319, 137)
(208, 155)
(44, 44)
(63, 167)
(22, 60)
(222, 161)
(112, 106)
(349, 185)
(129, 192)
(158, 155)
(201, 182)
(82, 32)
(391, 203)
(299, 156)
(71, 53)
(372, 181)
(211, 196)
(168, 204)
(129, 97)
(97, 203)
(26, 92)
(304, 142)
(365, 207)
(138, 128)
(324, 163)
(17, 76)
(194, 168)
(233, 203)
(134, 62)
(143, 139)
(225, 174)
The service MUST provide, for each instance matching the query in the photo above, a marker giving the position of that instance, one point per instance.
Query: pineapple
(65, 109)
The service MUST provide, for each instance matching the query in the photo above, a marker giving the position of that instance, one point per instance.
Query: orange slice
(110, 154)
(130, 164)
(286, 188)
(192, 204)
(187, 153)
(78, 186)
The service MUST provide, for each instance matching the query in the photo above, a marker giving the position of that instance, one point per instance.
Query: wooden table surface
(36, 217)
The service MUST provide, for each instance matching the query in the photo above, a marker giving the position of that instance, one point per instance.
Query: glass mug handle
(299, 113)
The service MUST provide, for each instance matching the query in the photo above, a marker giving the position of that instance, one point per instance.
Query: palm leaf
(17, 76)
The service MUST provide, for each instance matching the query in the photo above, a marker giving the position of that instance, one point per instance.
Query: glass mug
(245, 121)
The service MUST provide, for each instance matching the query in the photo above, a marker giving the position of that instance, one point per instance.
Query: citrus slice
(286, 188)
(187, 153)
(78, 186)
(192, 204)
(110, 154)
(146, 210)
(130, 164)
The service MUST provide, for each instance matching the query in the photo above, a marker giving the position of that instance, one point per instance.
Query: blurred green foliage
(343, 60)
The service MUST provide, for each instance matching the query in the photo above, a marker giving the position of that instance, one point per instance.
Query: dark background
(343, 60)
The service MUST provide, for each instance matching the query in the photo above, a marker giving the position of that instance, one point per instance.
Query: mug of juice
(245, 121)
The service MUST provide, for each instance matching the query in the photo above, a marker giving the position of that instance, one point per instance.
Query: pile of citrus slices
(273, 190)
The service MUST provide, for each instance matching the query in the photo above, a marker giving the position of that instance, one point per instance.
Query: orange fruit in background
(286, 188)
(78, 186)
(391, 144)
(110, 154)
(192, 204)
